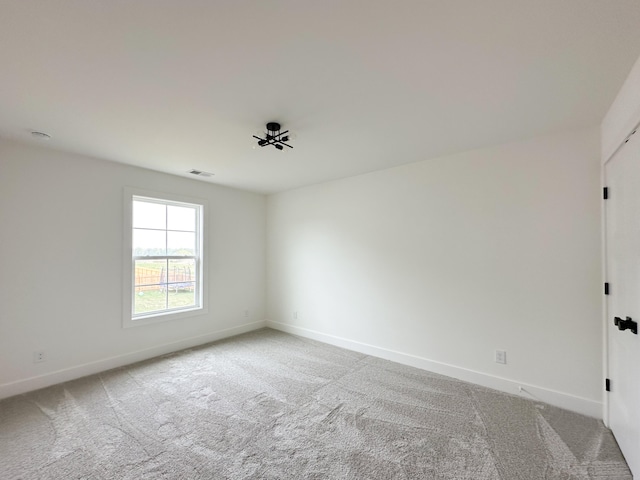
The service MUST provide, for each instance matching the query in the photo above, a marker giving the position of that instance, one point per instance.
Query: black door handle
(627, 324)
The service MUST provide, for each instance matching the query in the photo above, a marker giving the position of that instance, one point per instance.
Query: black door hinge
(607, 385)
(605, 193)
(629, 137)
(606, 288)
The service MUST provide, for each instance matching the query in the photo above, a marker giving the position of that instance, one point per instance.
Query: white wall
(623, 115)
(61, 266)
(439, 263)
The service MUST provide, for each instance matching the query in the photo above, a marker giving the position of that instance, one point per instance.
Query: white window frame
(128, 269)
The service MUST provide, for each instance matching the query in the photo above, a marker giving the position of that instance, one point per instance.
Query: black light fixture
(273, 136)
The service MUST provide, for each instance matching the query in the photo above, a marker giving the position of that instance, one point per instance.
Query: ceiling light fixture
(273, 136)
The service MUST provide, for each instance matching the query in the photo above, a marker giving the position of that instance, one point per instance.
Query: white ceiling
(365, 85)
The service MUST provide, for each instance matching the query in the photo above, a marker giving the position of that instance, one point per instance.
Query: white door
(622, 226)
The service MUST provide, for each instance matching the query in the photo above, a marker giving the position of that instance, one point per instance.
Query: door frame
(605, 310)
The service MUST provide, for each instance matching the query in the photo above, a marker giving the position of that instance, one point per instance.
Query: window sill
(163, 317)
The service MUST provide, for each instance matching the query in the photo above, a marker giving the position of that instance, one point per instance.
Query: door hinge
(607, 385)
(629, 137)
(605, 193)
(606, 288)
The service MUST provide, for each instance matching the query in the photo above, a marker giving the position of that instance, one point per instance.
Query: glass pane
(181, 243)
(149, 215)
(146, 301)
(182, 295)
(182, 271)
(181, 218)
(149, 242)
(150, 286)
(150, 272)
(181, 283)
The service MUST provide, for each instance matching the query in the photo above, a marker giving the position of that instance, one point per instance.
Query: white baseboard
(581, 405)
(71, 373)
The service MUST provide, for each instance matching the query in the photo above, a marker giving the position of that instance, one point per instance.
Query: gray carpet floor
(267, 405)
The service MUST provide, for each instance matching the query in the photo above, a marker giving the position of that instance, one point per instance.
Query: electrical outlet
(246, 314)
(38, 356)
(295, 315)
(501, 356)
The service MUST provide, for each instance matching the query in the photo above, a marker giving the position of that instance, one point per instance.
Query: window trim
(128, 271)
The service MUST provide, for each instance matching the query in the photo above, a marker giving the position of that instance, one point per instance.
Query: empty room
(319, 240)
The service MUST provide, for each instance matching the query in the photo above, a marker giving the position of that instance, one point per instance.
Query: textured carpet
(267, 405)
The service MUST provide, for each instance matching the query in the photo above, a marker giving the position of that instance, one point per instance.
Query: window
(164, 264)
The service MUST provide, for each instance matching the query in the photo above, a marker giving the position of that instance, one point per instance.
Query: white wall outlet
(246, 314)
(38, 357)
(501, 357)
(295, 315)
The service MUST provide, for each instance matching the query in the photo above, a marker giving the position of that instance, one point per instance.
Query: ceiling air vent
(200, 173)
